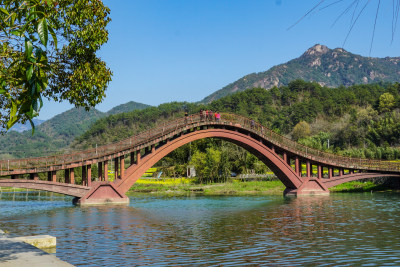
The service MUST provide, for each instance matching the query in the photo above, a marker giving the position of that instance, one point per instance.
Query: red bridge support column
(66, 176)
(35, 176)
(132, 158)
(84, 175)
(297, 166)
(101, 193)
(116, 168)
(122, 167)
(89, 175)
(330, 172)
(72, 176)
(69, 176)
(105, 171)
(52, 176)
(320, 171)
(100, 171)
(308, 169)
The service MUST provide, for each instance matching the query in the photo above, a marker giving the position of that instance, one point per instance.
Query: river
(341, 229)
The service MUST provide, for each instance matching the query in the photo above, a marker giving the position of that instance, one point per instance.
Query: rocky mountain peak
(317, 50)
(328, 67)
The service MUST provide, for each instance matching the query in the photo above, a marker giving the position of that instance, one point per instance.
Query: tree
(301, 130)
(386, 102)
(48, 49)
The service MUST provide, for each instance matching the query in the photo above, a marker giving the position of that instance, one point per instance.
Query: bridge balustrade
(168, 129)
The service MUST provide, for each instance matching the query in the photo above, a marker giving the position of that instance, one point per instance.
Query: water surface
(340, 229)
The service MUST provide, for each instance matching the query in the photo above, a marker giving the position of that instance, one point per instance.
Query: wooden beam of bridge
(62, 188)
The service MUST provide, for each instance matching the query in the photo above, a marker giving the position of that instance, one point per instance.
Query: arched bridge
(283, 156)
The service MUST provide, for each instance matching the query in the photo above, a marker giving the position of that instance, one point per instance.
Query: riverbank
(178, 187)
(15, 252)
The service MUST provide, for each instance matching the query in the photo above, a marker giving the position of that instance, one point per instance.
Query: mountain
(356, 120)
(127, 107)
(49, 137)
(56, 134)
(19, 127)
(328, 67)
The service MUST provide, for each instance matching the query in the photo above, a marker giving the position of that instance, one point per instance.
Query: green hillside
(51, 136)
(127, 107)
(55, 135)
(350, 117)
(119, 126)
(328, 67)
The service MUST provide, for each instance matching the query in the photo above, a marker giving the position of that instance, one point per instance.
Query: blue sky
(183, 50)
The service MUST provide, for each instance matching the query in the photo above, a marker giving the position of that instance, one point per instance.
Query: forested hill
(361, 120)
(127, 107)
(55, 135)
(328, 67)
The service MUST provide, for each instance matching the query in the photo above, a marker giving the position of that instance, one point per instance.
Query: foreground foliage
(48, 48)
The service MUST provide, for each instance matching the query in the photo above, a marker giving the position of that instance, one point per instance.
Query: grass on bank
(186, 186)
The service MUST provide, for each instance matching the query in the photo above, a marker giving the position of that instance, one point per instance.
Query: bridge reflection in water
(147, 148)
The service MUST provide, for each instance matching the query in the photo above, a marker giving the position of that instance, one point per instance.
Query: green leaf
(35, 106)
(13, 117)
(43, 32)
(2, 91)
(40, 102)
(17, 33)
(29, 72)
(28, 48)
(32, 126)
(4, 11)
(53, 34)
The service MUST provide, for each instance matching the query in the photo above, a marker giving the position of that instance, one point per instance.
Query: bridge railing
(180, 124)
(308, 152)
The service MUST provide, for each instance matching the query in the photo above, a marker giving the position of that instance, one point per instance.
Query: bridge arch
(281, 168)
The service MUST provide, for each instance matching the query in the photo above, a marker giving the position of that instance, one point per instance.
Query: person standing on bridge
(210, 115)
(217, 116)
